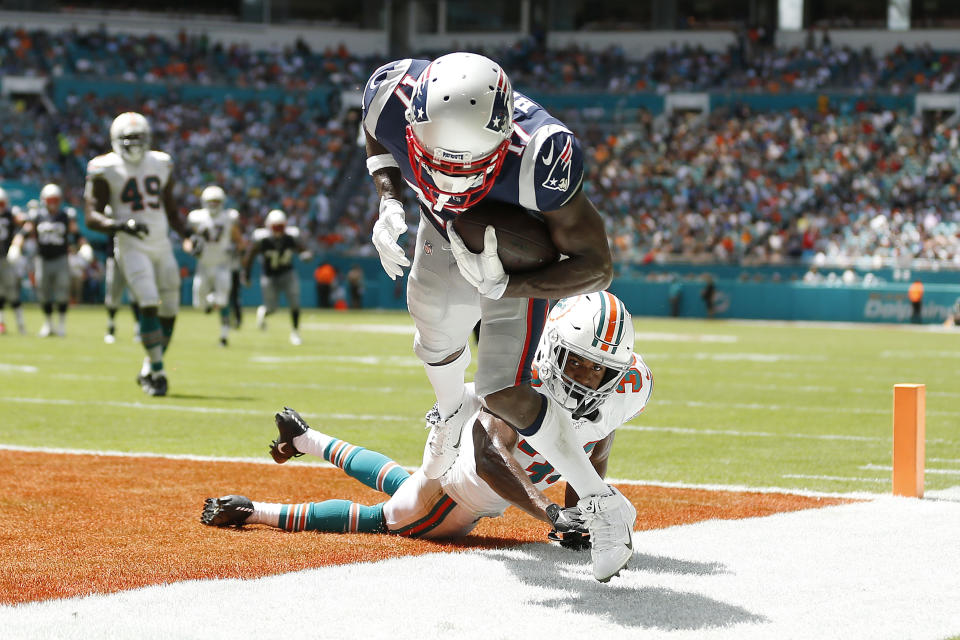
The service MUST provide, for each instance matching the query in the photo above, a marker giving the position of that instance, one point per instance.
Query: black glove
(569, 519)
(573, 540)
(134, 228)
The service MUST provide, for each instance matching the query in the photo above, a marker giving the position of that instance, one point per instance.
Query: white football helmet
(460, 123)
(130, 136)
(51, 196)
(212, 199)
(276, 221)
(595, 326)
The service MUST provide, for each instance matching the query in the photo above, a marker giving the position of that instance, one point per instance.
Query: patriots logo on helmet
(558, 179)
(502, 109)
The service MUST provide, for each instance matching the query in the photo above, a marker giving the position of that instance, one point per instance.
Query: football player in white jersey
(137, 183)
(600, 382)
(215, 235)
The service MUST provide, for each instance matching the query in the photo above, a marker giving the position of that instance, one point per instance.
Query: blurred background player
(54, 228)
(277, 243)
(456, 132)
(9, 271)
(215, 233)
(137, 184)
(113, 296)
(600, 389)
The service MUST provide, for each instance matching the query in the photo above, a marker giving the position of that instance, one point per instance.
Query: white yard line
(751, 434)
(163, 406)
(942, 472)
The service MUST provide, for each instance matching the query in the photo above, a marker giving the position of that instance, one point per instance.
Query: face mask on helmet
(52, 197)
(212, 199)
(460, 122)
(130, 136)
(597, 329)
(277, 222)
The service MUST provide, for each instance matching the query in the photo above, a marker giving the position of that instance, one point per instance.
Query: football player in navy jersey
(455, 132)
(55, 229)
(277, 243)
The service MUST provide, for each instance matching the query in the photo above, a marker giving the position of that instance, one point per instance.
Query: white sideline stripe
(910, 355)
(396, 361)
(16, 368)
(751, 434)
(189, 409)
(947, 460)
(803, 476)
(657, 336)
(942, 472)
(735, 357)
(314, 462)
(360, 328)
(787, 407)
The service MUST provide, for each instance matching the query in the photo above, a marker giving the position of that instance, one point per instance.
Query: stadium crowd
(732, 186)
(747, 65)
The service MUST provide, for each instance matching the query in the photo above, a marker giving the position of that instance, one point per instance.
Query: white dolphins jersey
(136, 192)
(464, 485)
(216, 232)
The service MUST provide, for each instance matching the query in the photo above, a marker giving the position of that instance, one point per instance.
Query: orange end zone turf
(78, 524)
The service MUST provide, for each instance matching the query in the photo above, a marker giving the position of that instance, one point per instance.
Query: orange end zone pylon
(909, 436)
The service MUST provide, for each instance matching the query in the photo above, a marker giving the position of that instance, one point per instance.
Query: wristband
(382, 161)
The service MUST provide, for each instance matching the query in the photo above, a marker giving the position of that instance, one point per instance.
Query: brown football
(523, 240)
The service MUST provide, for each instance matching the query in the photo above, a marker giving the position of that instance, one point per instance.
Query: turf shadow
(644, 607)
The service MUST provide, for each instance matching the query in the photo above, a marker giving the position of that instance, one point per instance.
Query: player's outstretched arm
(493, 442)
(577, 231)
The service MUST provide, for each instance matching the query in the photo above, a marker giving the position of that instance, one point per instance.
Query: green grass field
(735, 403)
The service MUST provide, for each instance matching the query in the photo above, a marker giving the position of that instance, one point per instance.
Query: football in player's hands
(523, 239)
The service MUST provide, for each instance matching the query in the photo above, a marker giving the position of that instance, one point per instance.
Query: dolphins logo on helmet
(595, 326)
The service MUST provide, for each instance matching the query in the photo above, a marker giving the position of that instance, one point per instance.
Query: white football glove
(13, 253)
(483, 270)
(386, 231)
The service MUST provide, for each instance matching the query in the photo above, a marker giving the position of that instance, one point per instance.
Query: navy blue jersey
(277, 251)
(543, 169)
(7, 226)
(53, 232)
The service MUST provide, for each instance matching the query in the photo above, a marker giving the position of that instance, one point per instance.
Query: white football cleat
(443, 443)
(609, 519)
(109, 338)
(45, 330)
(262, 318)
(295, 338)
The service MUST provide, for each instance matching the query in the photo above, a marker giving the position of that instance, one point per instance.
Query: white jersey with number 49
(136, 192)
(216, 233)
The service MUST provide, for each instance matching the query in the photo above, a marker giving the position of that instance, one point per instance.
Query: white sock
(145, 368)
(557, 442)
(313, 442)
(19, 314)
(62, 320)
(447, 381)
(224, 330)
(265, 513)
